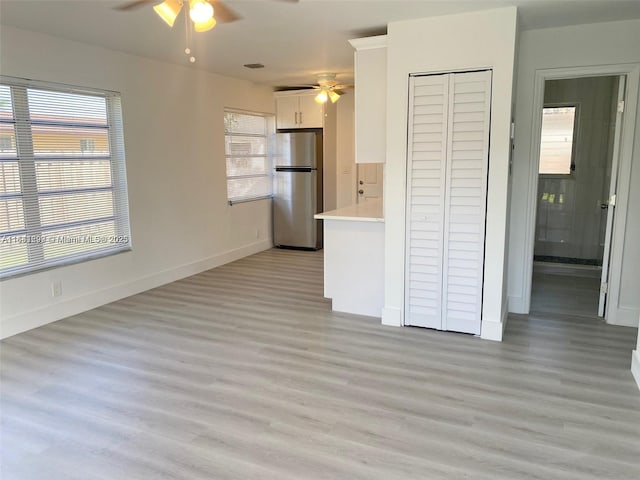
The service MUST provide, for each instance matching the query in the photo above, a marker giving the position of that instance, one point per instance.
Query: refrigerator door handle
(295, 169)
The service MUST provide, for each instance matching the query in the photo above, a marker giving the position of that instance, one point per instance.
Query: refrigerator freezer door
(294, 204)
(296, 150)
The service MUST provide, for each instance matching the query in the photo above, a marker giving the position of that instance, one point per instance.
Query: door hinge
(604, 288)
(612, 200)
(621, 106)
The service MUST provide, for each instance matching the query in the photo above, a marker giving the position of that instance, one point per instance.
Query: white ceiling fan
(328, 88)
(203, 13)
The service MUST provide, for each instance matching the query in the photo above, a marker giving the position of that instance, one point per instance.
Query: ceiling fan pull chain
(188, 37)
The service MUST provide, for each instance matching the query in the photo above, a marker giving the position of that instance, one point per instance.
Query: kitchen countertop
(369, 211)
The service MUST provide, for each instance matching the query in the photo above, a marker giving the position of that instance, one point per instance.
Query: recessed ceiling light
(254, 65)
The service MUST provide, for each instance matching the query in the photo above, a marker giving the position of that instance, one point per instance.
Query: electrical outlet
(56, 288)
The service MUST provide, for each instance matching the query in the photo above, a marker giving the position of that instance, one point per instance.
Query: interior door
(369, 181)
(610, 204)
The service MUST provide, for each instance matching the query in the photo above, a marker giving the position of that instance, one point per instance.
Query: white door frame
(632, 72)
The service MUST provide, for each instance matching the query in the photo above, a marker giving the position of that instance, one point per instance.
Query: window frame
(574, 144)
(31, 195)
(268, 136)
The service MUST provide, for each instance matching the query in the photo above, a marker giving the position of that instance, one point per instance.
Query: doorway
(577, 180)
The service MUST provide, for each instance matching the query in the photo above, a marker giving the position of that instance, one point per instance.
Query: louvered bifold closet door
(447, 162)
(426, 167)
(465, 200)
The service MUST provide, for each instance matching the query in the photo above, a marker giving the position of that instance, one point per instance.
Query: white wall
(575, 46)
(174, 138)
(484, 39)
(476, 40)
(346, 168)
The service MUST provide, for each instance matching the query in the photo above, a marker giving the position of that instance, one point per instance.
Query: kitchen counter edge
(370, 211)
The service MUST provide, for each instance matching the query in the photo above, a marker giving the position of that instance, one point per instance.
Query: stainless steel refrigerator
(297, 190)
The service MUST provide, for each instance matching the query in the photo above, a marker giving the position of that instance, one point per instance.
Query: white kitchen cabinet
(298, 110)
(370, 99)
(448, 159)
(287, 112)
(311, 112)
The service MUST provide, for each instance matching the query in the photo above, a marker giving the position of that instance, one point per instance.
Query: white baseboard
(635, 366)
(517, 305)
(625, 317)
(392, 316)
(494, 330)
(35, 318)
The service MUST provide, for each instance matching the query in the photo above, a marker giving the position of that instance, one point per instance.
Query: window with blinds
(557, 140)
(246, 142)
(63, 195)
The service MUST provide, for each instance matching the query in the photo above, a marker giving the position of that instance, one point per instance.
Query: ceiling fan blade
(368, 32)
(284, 88)
(222, 13)
(131, 5)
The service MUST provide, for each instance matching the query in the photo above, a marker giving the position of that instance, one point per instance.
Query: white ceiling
(294, 41)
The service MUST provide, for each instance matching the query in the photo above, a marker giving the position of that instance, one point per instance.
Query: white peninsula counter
(354, 258)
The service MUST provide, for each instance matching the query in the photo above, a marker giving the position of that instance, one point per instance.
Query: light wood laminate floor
(243, 372)
(565, 289)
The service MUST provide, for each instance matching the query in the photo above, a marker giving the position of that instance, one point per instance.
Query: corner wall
(574, 46)
(346, 167)
(181, 223)
(477, 40)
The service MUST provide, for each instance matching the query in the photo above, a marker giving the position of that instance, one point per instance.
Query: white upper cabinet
(371, 98)
(287, 112)
(298, 110)
(311, 112)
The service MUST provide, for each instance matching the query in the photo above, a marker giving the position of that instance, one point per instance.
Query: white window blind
(63, 195)
(247, 156)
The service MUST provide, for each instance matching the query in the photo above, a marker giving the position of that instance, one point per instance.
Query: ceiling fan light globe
(168, 11)
(334, 96)
(204, 26)
(322, 97)
(200, 11)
